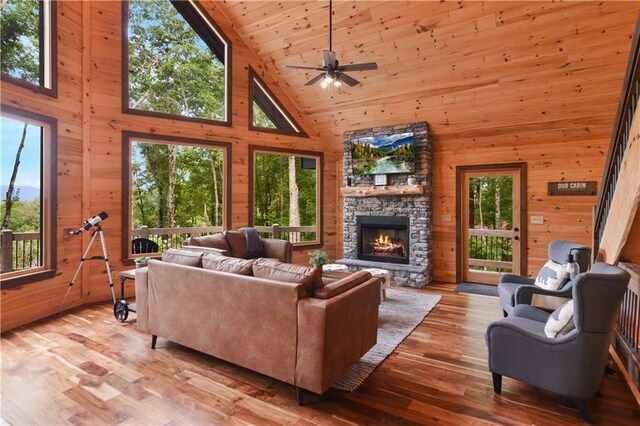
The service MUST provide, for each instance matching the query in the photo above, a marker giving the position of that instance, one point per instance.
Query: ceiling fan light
(337, 83)
(324, 84)
(328, 79)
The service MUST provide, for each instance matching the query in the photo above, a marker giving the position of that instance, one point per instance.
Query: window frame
(128, 137)
(254, 77)
(319, 157)
(126, 109)
(48, 196)
(48, 28)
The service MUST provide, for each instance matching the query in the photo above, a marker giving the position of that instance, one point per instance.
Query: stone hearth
(418, 207)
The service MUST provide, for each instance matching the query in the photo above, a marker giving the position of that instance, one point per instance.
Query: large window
(175, 188)
(286, 194)
(177, 62)
(28, 47)
(27, 180)
(266, 113)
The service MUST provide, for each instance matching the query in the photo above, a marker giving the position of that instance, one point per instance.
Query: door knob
(516, 229)
(516, 238)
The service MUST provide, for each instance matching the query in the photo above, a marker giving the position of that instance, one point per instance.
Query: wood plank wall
(498, 82)
(90, 125)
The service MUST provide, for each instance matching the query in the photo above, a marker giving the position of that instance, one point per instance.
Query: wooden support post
(276, 231)
(144, 231)
(7, 244)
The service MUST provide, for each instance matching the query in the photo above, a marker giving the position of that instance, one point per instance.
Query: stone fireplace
(383, 238)
(389, 226)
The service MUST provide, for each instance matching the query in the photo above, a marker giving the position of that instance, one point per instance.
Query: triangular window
(178, 62)
(266, 112)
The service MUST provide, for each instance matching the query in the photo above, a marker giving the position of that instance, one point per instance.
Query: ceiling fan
(332, 71)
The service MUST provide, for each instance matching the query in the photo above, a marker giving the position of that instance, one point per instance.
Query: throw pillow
(560, 322)
(221, 263)
(552, 276)
(217, 241)
(183, 257)
(237, 244)
(310, 277)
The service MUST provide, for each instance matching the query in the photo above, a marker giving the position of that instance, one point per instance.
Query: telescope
(91, 222)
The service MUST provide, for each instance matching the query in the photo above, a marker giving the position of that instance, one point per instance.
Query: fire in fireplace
(383, 238)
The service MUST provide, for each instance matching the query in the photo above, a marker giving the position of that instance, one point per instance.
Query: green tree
(20, 42)
(170, 68)
(260, 119)
(272, 194)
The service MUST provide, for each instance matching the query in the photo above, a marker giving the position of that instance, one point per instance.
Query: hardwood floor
(84, 368)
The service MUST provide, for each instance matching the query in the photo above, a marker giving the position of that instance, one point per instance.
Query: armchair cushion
(560, 322)
(507, 294)
(552, 276)
(531, 313)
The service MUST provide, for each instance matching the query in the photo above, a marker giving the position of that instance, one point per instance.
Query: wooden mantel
(376, 191)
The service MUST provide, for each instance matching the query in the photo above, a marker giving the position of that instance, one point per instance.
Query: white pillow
(552, 276)
(560, 322)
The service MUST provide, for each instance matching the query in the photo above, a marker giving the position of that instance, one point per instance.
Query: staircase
(616, 226)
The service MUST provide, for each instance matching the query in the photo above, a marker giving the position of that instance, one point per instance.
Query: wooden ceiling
(471, 69)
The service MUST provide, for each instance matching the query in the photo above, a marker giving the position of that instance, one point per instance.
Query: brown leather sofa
(268, 326)
(233, 243)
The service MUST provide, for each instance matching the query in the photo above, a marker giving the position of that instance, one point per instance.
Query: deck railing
(20, 250)
(490, 250)
(167, 238)
(289, 233)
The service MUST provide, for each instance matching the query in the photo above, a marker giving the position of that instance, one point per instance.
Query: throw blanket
(254, 244)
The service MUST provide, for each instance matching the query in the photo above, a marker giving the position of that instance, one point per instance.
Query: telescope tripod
(95, 233)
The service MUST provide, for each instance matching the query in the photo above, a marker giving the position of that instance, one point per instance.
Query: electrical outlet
(537, 220)
(445, 218)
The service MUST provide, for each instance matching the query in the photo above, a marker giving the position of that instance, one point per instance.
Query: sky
(29, 170)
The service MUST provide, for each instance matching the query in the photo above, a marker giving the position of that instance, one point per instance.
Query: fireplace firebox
(383, 238)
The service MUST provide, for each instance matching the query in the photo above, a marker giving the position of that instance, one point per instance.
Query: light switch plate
(537, 220)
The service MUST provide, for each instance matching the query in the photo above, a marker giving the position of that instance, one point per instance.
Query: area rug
(472, 288)
(399, 314)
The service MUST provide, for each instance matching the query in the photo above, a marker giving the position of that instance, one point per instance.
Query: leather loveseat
(233, 243)
(261, 323)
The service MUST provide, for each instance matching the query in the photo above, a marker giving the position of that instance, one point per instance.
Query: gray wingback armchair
(572, 365)
(514, 289)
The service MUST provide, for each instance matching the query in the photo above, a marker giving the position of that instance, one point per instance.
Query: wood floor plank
(84, 368)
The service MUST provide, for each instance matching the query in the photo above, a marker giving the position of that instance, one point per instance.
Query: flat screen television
(384, 154)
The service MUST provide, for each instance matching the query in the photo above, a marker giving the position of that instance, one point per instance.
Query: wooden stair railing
(616, 220)
(622, 162)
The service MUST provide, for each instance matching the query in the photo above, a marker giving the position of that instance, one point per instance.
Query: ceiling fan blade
(328, 58)
(347, 79)
(314, 80)
(369, 66)
(300, 67)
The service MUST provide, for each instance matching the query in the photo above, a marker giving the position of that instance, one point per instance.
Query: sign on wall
(572, 188)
